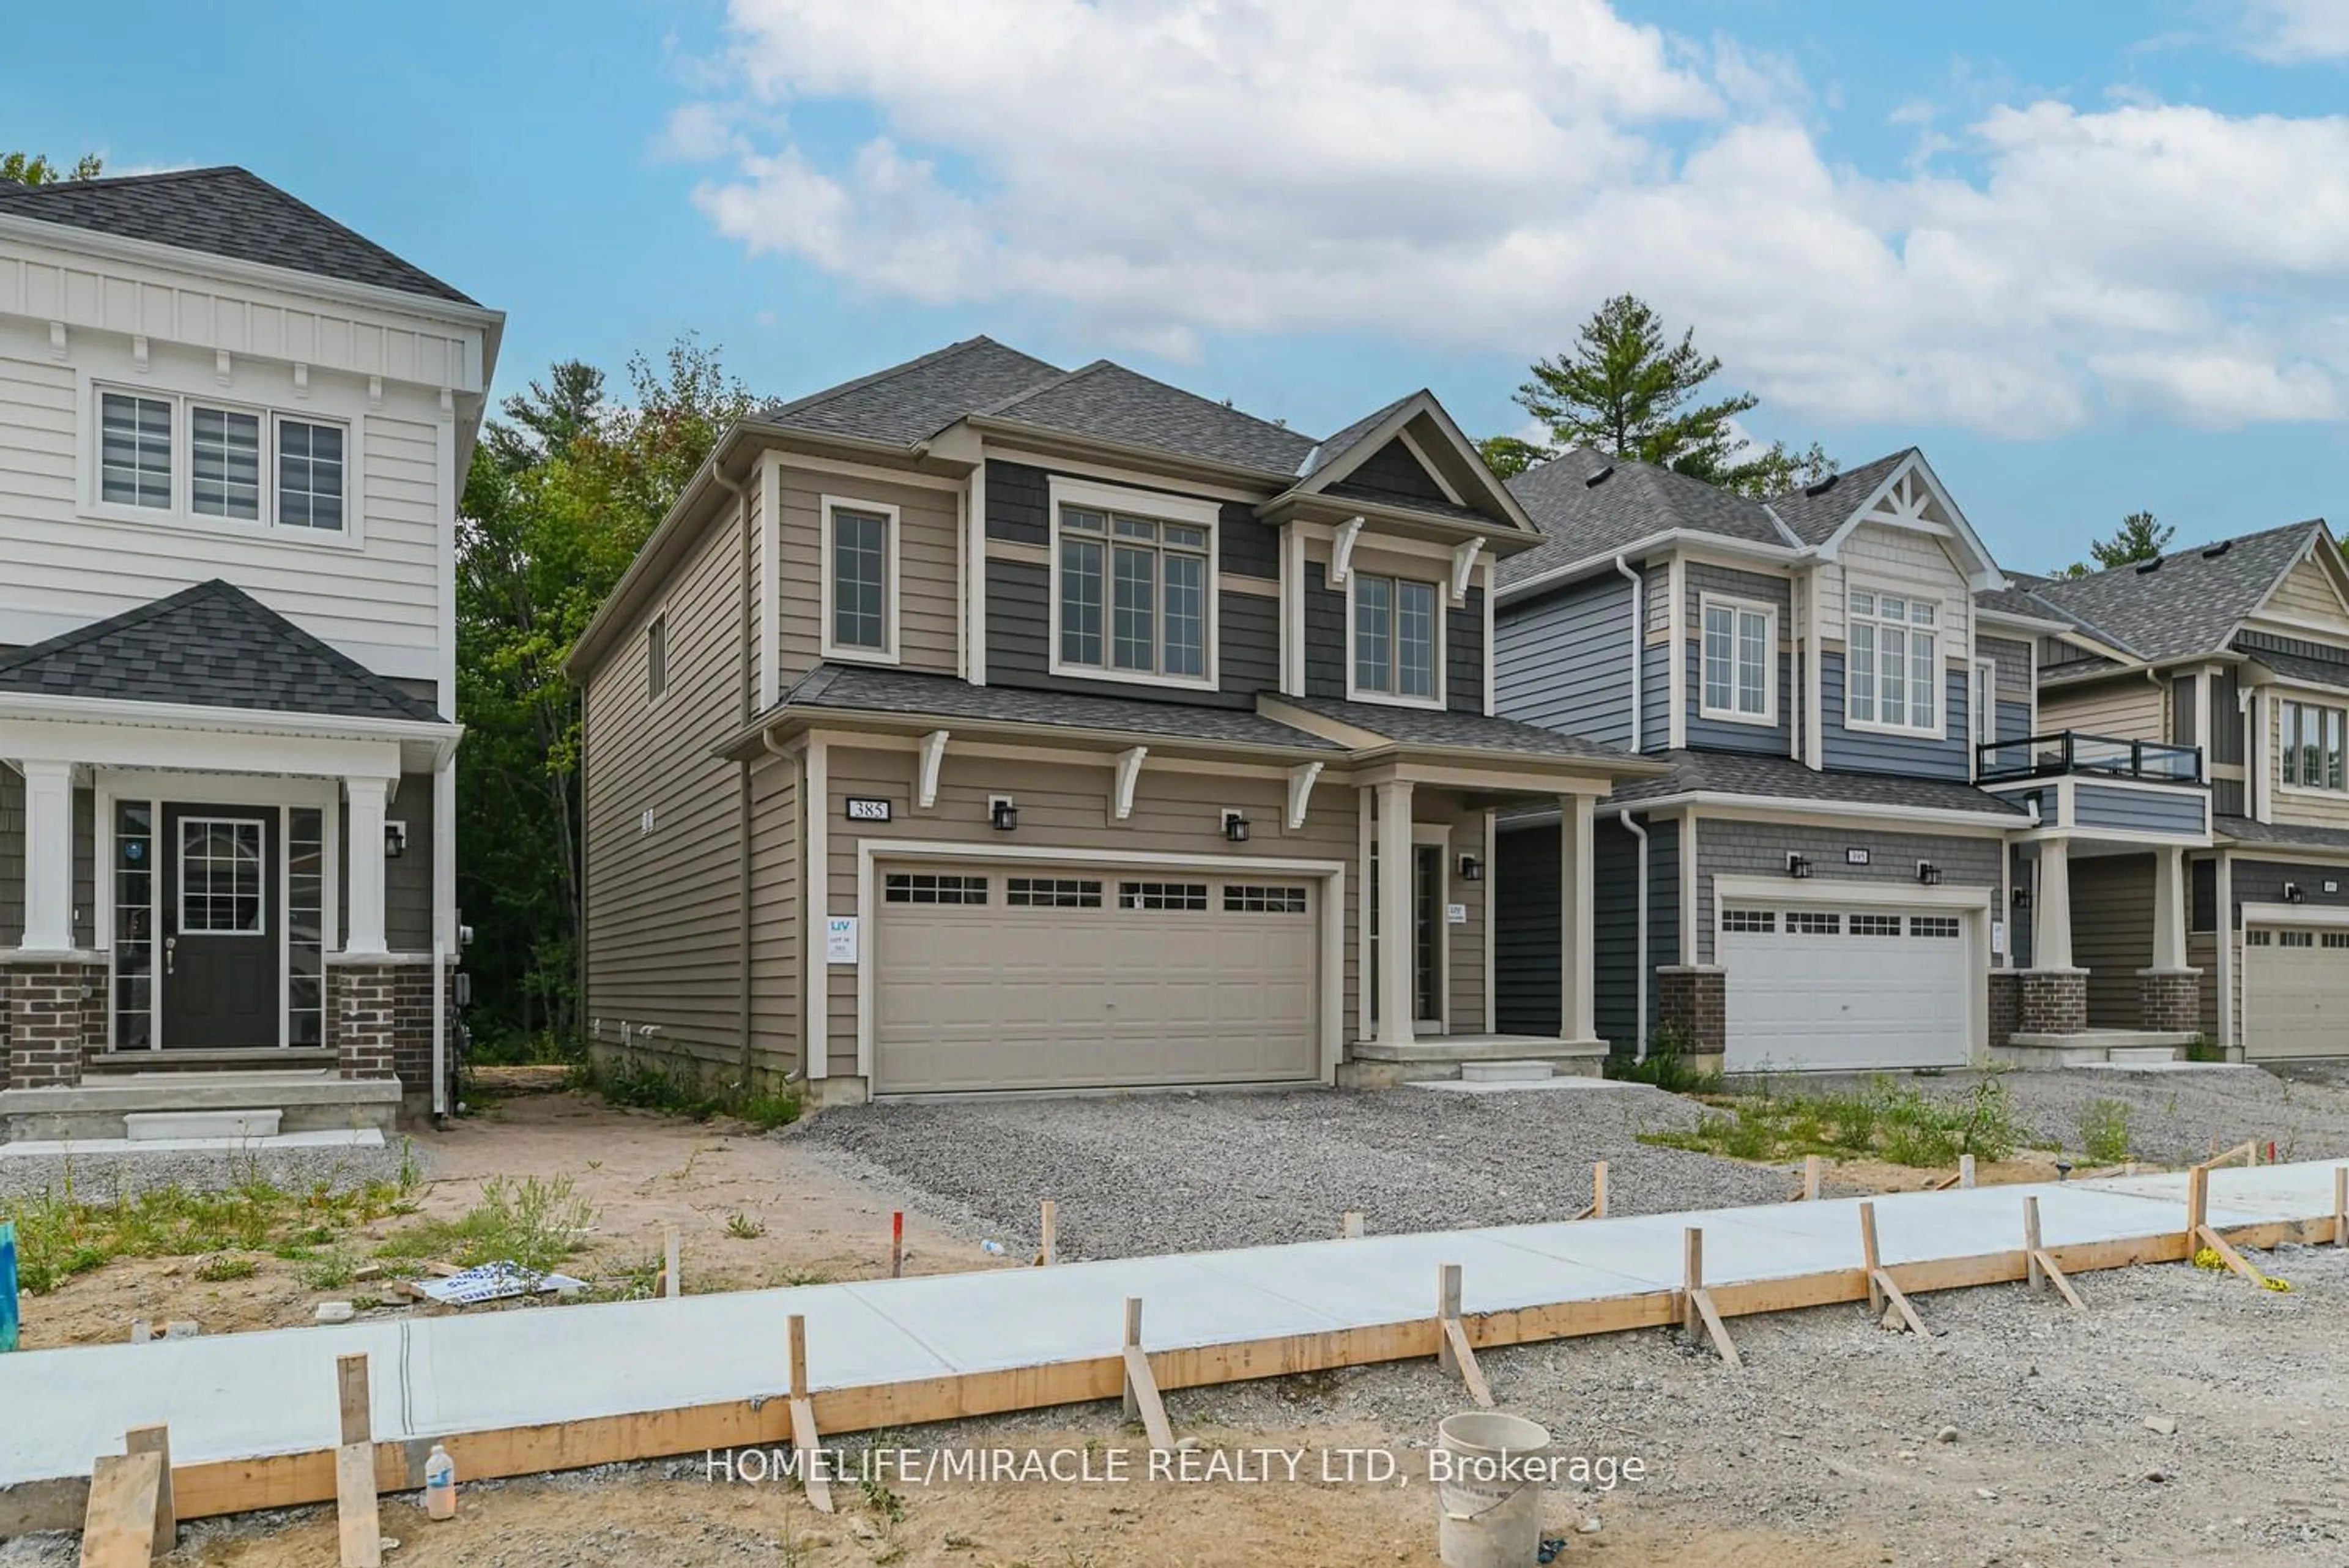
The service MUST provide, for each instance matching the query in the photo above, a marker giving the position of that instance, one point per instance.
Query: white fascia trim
(1998, 617)
(1985, 575)
(1826, 891)
(892, 552)
(1153, 504)
(2295, 915)
(1670, 539)
(39, 708)
(1715, 803)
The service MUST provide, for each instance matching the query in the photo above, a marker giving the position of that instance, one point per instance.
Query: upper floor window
(1394, 637)
(196, 458)
(1133, 593)
(1741, 662)
(656, 658)
(860, 580)
(2312, 739)
(1893, 677)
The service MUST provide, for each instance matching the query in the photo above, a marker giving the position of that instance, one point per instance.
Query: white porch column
(2051, 916)
(48, 856)
(1398, 1008)
(1578, 947)
(2169, 908)
(363, 855)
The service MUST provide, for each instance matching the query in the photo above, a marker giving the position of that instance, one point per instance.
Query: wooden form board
(287, 1481)
(118, 1528)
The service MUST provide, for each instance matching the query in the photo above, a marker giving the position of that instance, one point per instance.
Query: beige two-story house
(981, 726)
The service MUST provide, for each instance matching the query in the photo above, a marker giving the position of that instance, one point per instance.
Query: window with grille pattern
(1933, 926)
(1806, 923)
(932, 888)
(2337, 938)
(1876, 925)
(1755, 921)
(1247, 899)
(1162, 895)
(1051, 893)
(2295, 939)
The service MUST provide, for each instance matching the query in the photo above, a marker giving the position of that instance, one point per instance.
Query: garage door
(1812, 985)
(1049, 979)
(2295, 993)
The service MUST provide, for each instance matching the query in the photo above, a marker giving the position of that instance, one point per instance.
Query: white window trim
(2312, 792)
(1768, 718)
(1982, 696)
(1938, 730)
(893, 561)
(181, 514)
(1157, 506)
(658, 624)
(1443, 634)
(180, 872)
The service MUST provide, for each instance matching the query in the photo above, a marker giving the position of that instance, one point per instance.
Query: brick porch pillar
(362, 1014)
(2005, 1005)
(56, 1014)
(2171, 1000)
(1693, 1001)
(2052, 1002)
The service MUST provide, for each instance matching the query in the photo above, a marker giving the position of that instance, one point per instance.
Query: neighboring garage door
(2295, 993)
(1043, 978)
(1812, 985)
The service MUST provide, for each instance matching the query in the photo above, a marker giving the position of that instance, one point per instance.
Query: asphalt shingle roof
(2243, 830)
(211, 646)
(2300, 667)
(1635, 500)
(1111, 402)
(1337, 446)
(1783, 778)
(1814, 513)
(913, 402)
(860, 689)
(225, 212)
(2189, 604)
(1462, 732)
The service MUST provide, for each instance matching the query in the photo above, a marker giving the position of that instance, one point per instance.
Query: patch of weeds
(1884, 1120)
(1669, 1066)
(2105, 1132)
(2200, 1049)
(328, 1271)
(532, 1224)
(641, 1085)
(806, 1277)
(745, 1227)
(226, 1267)
(768, 1112)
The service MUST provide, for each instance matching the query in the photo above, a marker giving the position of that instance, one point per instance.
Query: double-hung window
(1395, 629)
(1893, 674)
(2312, 742)
(309, 475)
(1741, 662)
(1132, 594)
(192, 459)
(860, 580)
(135, 451)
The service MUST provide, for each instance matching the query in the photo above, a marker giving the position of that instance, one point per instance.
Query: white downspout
(1639, 645)
(1640, 1019)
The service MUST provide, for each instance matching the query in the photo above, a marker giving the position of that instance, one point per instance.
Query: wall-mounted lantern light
(1471, 868)
(395, 840)
(1928, 874)
(1235, 826)
(1798, 867)
(2021, 898)
(1001, 813)
(2293, 893)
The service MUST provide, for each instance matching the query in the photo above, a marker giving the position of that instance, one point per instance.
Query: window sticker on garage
(1933, 926)
(931, 887)
(1051, 893)
(1162, 895)
(1246, 898)
(1806, 923)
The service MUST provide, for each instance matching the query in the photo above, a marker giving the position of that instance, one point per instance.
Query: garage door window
(2295, 939)
(1933, 926)
(1051, 893)
(1162, 895)
(2337, 938)
(1757, 923)
(1804, 923)
(2255, 939)
(930, 887)
(1246, 899)
(1876, 925)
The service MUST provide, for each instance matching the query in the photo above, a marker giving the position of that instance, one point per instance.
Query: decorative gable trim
(1902, 501)
(2321, 548)
(1487, 492)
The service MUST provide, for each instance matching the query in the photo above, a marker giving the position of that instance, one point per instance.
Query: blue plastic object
(7, 1286)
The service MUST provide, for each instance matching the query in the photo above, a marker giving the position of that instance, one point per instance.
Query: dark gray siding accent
(2203, 910)
(2148, 811)
(2227, 721)
(1390, 470)
(1616, 944)
(1019, 632)
(1245, 546)
(2019, 915)
(2226, 798)
(1562, 661)
(2261, 882)
(2112, 934)
(2184, 691)
(1726, 735)
(1655, 698)
(1325, 634)
(1463, 654)
(1865, 752)
(408, 881)
(1529, 923)
(12, 858)
(1017, 499)
(2013, 662)
(1760, 849)
(2014, 720)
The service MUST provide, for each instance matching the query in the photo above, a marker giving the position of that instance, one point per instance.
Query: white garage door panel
(2295, 994)
(1829, 998)
(996, 996)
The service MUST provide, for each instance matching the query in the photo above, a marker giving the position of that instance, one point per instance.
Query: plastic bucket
(1488, 1505)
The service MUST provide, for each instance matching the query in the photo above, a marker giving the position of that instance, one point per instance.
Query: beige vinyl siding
(1898, 559)
(752, 524)
(775, 914)
(2317, 808)
(929, 542)
(2112, 934)
(664, 932)
(2306, 594)
(1464, 948)
(1062, 806)
(2128, 709)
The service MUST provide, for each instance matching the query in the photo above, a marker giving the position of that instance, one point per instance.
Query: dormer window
(1893, 668)
(1394, 639)
(1133, 586)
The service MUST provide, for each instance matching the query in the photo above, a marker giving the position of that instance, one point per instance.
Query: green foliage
(676, 1091)
(745, 1227)
(2200, 1049)
(532, 1224)
(563, 491)
(226, 1267)
(1629, 390)
(1669, 1066)
(2140, 537)
(35, 168)
(1884, 1120)
(2105, 1132)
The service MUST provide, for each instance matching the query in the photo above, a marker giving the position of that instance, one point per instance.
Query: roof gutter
(1719, 800)
(1639, 1018)
(1671, 538)
(1047, 435)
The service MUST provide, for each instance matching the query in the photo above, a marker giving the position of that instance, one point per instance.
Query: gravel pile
(2178, 1117)
(1189, 1172)
(97, 1177)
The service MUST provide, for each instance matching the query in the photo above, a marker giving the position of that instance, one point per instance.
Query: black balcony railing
(2073, 751)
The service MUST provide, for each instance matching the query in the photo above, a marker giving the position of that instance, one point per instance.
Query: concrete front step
(2093, 1048)
(1374, 1065)
(141, 1126)
(103, 1107)
(1505, 1072)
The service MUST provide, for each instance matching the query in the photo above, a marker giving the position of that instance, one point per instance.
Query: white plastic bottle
(440, 1484)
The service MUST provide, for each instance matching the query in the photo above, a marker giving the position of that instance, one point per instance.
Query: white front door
(1855, 987)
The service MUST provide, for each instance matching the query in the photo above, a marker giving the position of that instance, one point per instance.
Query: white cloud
(2288, 31)
(1476, 174)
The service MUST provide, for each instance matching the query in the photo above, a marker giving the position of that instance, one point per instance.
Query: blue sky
(2144, 317)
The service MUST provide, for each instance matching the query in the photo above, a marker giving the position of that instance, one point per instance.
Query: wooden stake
(157, 1440)
(672, 1273)
(356, 1523)
(2341, 1207)
(2031, 1250)
(1965, 1170)
(2198, 1202)
(1350, 1225)
(1697, 1311)
(1869, 1255)
(1454, 1353)
(1598, 1190)
(1141, 1391)
(1814, 1170)
(119, 1531)
(2228, 1256)
(897, 1244)
(1901, 1307)
(1049, 1228)
(806, 1442)
(2056, 1277)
